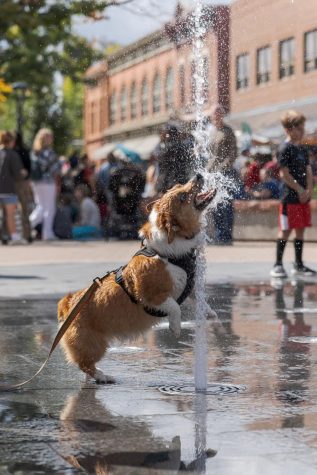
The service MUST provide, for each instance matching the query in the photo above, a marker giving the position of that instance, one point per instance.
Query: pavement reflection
(264, 339)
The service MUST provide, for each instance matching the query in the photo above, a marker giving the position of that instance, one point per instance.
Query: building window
(242, 71)
(169, 89)
(193, 81)
(123, 104)
(264, 65)
(205, 91)
(102, 114)
(310, 51)
(144, 98)
(133, 101)
(182, 87)
(156, 94)
(113, 108)
(287, 58)
(200, 80)
(92, 117)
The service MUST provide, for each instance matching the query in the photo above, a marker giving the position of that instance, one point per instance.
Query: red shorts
(294, 216)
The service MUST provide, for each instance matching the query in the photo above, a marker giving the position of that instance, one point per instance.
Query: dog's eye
(183, 197)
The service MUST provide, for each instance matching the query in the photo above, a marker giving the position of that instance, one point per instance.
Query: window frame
(123, 102)
(169, 89)
(266, 76)
(144, 97)
(314, 59)
(182, 84)
(289, 69)
(244, 82)
(156, 93)
(113, 109)
(133, 101)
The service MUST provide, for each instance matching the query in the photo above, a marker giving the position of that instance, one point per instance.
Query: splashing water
(224, 186)
(201, 150)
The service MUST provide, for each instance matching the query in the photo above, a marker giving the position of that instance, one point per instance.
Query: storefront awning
(102, 152)
(266, 121)
(141, 145)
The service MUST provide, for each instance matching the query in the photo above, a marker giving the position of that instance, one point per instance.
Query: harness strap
(120, 280)
(61, 332)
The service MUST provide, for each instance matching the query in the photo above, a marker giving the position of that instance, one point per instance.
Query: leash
(61, 332)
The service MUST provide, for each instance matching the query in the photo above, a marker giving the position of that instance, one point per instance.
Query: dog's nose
(199, 179)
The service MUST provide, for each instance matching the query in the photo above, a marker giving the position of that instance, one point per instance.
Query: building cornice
(136, 52)
(130, 128)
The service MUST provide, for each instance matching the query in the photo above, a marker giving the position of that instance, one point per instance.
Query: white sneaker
(278, 271)
(301, 270)
(17, 242)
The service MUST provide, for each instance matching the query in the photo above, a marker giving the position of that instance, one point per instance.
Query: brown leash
(61, 332)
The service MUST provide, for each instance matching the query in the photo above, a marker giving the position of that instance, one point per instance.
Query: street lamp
(20, 88)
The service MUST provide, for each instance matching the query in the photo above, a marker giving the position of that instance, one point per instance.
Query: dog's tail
(63, 307)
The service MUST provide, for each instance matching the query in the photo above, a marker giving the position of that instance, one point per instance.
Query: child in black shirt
(295, 213)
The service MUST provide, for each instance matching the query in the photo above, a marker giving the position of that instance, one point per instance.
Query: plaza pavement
(53, 268)
(260, 420)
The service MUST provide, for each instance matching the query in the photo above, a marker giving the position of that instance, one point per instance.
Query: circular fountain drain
(212, 389)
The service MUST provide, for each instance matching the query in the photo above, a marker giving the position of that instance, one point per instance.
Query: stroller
(126, 185)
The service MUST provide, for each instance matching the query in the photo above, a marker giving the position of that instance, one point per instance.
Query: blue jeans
(85, 232)
(223, 217)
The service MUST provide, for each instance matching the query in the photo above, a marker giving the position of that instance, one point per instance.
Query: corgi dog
(152, 285)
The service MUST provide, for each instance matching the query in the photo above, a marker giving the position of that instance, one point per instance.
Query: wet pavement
(260, 417)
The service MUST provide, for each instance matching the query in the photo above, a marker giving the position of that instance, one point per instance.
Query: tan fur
(176, 217)
(110, 313)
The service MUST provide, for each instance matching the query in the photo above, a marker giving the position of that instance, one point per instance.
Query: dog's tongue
(205, 196)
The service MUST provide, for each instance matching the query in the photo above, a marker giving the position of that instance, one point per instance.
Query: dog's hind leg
(86, 349)
(97, 374)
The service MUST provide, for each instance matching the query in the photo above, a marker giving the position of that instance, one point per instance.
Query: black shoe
(300, 269)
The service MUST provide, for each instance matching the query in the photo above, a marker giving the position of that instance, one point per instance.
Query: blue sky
(130, 22)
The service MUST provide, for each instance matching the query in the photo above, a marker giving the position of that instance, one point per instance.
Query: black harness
(186, 262)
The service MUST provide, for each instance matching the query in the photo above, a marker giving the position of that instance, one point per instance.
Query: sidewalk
(120, 251)
(54, 268)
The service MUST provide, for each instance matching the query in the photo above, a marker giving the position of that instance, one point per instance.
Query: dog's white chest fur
(179, 278)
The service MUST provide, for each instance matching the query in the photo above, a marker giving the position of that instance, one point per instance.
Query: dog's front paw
(211, 314)
(175, 325)
(102, 378)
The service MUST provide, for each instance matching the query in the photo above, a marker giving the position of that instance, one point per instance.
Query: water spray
(201, 151)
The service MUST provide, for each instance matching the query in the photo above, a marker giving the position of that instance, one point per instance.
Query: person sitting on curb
(89, 216)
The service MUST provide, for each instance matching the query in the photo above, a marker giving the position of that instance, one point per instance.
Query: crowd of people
(62, 197)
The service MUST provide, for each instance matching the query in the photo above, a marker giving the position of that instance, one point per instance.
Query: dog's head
(178, 212)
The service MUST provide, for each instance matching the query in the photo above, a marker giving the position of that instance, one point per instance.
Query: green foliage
(39, 47)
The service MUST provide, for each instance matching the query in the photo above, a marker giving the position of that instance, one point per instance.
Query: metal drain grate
(212, 389)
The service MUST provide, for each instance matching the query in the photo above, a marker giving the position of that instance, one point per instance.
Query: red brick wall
(97, 99)
(258, 23)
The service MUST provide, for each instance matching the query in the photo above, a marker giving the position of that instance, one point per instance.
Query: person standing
(23, 187)
(11, 173)
(223, 153)
(297, 178)
(175, 157)
(45, 169)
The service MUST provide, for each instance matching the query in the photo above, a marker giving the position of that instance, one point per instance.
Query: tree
(4, 90)
(38, 46)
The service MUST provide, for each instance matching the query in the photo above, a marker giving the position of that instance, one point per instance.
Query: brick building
(273, 57)
(129, 95)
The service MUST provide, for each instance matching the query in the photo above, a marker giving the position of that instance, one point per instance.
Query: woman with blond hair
(45, 168)
(11, 173)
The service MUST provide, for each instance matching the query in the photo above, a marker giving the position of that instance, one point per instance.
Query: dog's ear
(171, 231)
(164, 222)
